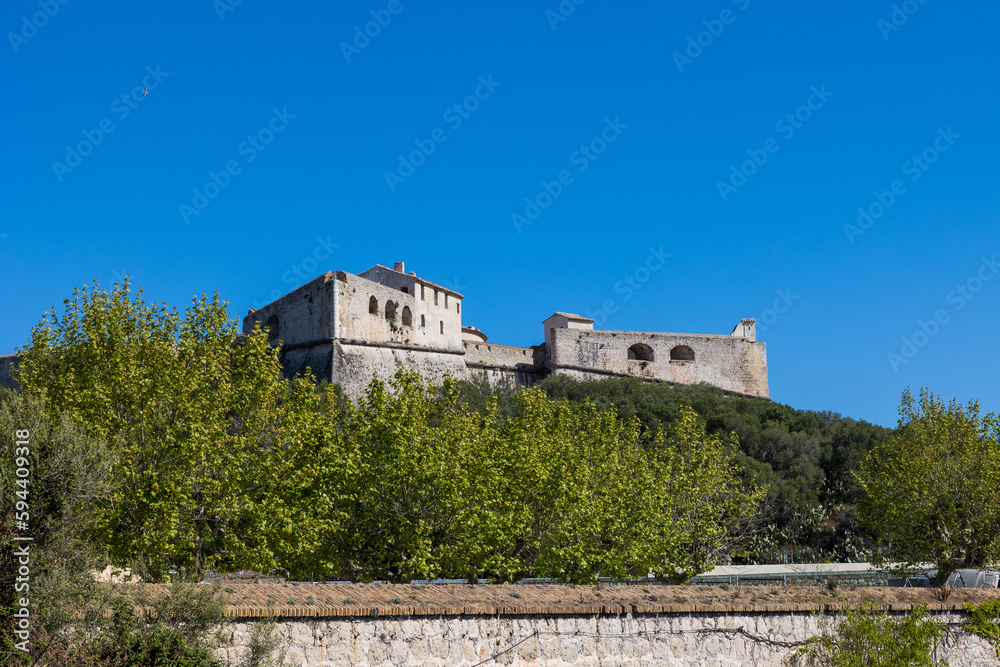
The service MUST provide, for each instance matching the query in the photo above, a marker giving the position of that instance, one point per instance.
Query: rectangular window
(423, 322)
(458, 307)
(442, 326)
(446, 301)
(435, 297)
(421, 292)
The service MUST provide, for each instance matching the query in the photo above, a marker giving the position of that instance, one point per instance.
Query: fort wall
(8, 363)
(349, 328)
(355, 362)
(505, 363)
(729, 362)
(450, 638)
(303, 316)
(428, 317)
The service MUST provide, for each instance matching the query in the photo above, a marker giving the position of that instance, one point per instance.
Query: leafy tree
(932, 494)
(406, 472)
(868, 638)
(574, 483)
(984, 620)
(69, 472)
(805, 459)
(700, 512)
(214, 460)
(190, 410)
(66, 470)
(411, 482)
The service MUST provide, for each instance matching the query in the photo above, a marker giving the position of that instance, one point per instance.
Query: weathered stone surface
(348, 328)
(642, 639)
(8, 362)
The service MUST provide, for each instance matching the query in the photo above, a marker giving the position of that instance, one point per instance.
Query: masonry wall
(698, 639)
(354, 364)
(729, 362)
(305, 315)
(357, 323)
(521, 366)
(326, 325)
(7, 365)
(347, 329)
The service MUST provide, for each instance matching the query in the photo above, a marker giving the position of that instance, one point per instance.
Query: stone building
(347, 327)
(8, 362)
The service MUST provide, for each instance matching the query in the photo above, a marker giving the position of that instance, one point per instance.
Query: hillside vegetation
(806, 459)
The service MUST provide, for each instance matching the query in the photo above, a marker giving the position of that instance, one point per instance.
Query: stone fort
(347, 327)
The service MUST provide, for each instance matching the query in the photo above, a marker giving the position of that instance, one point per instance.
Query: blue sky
(739, 138)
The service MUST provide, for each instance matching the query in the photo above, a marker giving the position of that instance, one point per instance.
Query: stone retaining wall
(709, 639)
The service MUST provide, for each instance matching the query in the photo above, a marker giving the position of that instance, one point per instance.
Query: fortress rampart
(7, 364)
(727, 362)
(348, 328)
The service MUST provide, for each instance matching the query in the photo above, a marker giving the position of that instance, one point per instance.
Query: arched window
(272, 329)
(373, 306)
(390, 310)
(640, 352)
(682, 353)
(407, 317)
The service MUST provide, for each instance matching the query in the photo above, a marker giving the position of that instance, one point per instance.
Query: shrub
(867, 638)
(982, 621)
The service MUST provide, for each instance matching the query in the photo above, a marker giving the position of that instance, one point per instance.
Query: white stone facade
(708, 640)
(347, 328)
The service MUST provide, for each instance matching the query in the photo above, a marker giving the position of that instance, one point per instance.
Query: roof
(569, 316)
(415, 278)
(290, 599)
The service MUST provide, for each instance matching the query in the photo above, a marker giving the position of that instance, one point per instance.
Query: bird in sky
(144, 91)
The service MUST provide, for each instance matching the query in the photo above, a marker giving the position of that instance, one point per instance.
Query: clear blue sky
(330, 120)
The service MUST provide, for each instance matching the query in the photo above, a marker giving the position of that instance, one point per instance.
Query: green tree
(413, 503)
(190, 411)
(589, 495)
(932, 494)
(700, 511)
(868, 638)
(805, 459)
(66, 471)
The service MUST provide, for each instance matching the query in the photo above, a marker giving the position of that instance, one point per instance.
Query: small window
(458, 307)
(442, 326)
(445, 300)
(682, 353)
(373, 306)
(435, 297)
(423, 322)
(272, 329)
(421, 292)
(390, 310)
(407, 317)
(640, 352)
(406, 290)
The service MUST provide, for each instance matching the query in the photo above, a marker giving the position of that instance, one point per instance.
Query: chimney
(398, 267)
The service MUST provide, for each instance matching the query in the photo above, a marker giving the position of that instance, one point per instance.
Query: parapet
(747, 328)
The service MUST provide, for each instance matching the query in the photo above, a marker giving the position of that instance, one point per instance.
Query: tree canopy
(218, 461)
(932, 493)
(188, 410)
(805, 459)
